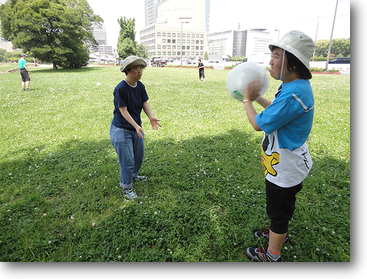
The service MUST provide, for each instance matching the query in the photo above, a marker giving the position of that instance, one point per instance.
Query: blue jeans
(130, 152)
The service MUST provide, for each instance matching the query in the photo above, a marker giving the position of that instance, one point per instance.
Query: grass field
(4, 67)
(205, 196)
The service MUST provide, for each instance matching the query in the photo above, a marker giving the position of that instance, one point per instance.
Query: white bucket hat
(132, 61)
(299, 44)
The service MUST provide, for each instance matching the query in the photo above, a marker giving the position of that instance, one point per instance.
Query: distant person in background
(24, 72)
(201, 70)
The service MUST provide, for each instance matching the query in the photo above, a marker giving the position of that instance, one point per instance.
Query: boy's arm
(251, 94)
(263, 102)
(25, 66)
(129, 119)
(251, 114)
(154, 121)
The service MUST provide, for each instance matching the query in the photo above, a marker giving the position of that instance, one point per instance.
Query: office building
(151, 10)
(176, 28)
(251, 43)
(100, 34)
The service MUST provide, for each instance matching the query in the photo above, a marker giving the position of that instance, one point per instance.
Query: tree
(56, 31)
(341, 46)
(126, 44)
(126, 47)
(141, 51)
(338, 46)
(127, 28)
(2, 54)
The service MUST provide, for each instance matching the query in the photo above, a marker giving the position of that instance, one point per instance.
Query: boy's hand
(252, 91)
(155, 123)
(140, 132)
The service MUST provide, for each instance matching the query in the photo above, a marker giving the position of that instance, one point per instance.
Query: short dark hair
(127, 71)
(295, 65)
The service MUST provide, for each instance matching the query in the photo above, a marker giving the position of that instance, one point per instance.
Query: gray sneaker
(129, 194)
(265, 234)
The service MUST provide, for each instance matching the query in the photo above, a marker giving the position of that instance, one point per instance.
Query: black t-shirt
(131, 97)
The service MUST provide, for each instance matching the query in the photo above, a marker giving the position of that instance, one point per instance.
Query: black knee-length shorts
(24, 74)
(280, 205)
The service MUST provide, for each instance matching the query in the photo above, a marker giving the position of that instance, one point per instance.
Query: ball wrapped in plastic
(240, 76)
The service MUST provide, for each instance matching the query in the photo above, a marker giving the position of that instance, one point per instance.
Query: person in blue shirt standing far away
(24, 72)
(286, 123)
(126, 132)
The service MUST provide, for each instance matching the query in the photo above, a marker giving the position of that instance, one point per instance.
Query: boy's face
(276, 63)
(136, 73)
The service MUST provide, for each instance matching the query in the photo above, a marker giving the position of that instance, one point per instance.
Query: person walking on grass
(126, 132)
(24, 72)
(201, 70)
(286, 123)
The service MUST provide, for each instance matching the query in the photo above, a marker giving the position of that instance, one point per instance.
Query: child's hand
(252, 90)
(155, 123)
(140, 132)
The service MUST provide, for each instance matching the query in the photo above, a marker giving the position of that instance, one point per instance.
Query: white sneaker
(129, 194)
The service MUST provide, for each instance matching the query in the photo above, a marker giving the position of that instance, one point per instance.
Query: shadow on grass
(202, 201)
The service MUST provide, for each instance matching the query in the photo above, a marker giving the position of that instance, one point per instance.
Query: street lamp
(181, 38)
(278, 33)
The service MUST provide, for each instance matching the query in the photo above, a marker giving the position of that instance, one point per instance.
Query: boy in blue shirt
(126, 132)
(286, 122)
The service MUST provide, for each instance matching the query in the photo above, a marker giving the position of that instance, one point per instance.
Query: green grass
(4, 67)
(205, 193)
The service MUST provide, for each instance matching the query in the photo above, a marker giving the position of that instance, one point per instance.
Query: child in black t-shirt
(201, 70)
(126, 132)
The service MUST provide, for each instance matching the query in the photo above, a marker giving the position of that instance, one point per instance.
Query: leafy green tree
(206, 55)
(338, 46)
(56, 31)
(127, 28)
(126, 44)
(141, 51)
(2, 54)
(126, 47)
(341, 47)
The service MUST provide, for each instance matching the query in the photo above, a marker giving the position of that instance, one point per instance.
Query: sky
(283, 15)
(313, 17)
